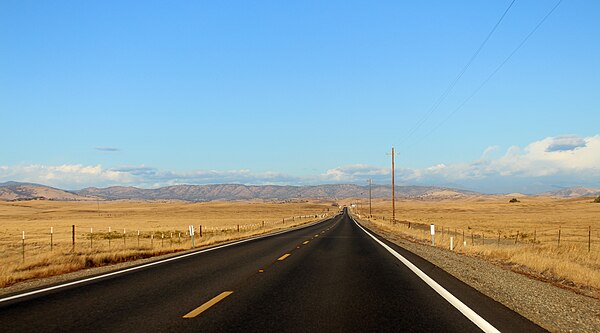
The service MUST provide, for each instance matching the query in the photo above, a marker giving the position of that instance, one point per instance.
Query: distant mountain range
(27, 191)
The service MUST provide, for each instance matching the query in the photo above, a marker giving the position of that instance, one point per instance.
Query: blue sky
(149, 93)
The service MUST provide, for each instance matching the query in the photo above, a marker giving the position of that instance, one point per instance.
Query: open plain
(551, 239)
(108, 232)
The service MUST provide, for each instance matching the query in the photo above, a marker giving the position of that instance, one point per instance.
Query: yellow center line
(305, 242)
(283, 257)
(317, 235)
(208, 304)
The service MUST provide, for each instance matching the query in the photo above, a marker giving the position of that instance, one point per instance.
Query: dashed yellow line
(317, 235)
(283, 257)
(305, 242)
(208, 304)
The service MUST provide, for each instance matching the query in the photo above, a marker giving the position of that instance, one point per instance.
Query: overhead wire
(453, 83)
(466, 100)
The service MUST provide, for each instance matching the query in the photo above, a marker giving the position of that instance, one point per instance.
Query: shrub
(514, 200)
(597, 199)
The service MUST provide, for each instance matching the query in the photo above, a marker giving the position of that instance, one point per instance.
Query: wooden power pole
(393, 190)
(370, 182)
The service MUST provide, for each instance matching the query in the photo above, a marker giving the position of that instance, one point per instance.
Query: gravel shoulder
(553, 308)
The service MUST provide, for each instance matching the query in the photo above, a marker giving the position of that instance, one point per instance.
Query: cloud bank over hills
(548, 164)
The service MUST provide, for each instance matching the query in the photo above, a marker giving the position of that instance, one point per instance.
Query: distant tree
(514, 200)
(597, 199)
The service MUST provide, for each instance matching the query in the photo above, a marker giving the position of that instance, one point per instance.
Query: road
(328, 277)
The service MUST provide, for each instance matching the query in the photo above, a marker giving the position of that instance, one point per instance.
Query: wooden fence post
(589, 238)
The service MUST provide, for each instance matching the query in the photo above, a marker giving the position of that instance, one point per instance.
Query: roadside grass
(521, 236)
(163, 229)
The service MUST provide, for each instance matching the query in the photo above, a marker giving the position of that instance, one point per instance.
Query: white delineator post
(191, 229)
(451, 243)
(432, 227)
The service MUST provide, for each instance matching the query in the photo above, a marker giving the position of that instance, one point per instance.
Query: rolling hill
(26, 191)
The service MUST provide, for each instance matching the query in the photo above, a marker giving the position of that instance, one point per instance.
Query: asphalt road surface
(328, 277)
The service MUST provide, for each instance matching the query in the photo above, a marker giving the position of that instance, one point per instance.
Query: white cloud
(562, 161)
(553, 161)
(76, 176)
(354, 172)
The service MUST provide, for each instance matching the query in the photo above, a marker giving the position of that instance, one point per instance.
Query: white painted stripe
(460, 306)
(73, 283)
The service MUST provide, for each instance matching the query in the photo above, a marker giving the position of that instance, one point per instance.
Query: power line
(466, 100)
(453, 83)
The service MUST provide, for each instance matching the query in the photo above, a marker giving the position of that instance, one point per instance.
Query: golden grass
(162, 229)
(523, 236)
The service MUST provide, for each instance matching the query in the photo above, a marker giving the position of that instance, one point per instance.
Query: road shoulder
(553, 308)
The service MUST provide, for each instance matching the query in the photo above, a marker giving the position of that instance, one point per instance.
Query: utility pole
(370, 181)
(393, 189)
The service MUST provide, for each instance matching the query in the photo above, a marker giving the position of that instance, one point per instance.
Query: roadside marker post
(432, 227)
(138, 238)
(109, 238)
(191, 229)
(51, 238)
(451, 243)
(91, 237)
(124, 238)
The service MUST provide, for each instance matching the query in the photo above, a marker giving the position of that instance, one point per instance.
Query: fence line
(584, 236)
(80, 238)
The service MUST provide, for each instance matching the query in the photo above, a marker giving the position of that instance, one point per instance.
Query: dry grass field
(556, 240)
(138, 229)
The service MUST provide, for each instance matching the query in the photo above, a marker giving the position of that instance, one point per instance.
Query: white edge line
(460, 306)
(68, 284)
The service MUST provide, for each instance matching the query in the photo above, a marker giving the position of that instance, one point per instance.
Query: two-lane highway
(330, 276)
